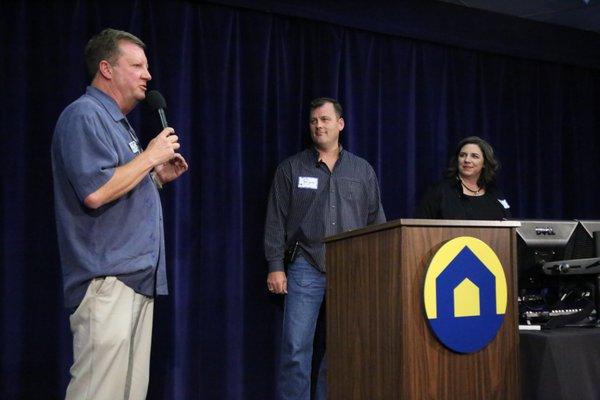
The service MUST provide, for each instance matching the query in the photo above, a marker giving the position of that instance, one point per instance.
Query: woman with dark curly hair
(469, 190)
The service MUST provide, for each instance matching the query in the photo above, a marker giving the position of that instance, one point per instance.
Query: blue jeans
(306, 290)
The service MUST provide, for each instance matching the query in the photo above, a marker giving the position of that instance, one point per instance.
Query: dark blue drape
(238, 83)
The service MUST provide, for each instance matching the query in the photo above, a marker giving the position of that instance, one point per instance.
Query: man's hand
(172, 169)
(277, 282)
(162, 148)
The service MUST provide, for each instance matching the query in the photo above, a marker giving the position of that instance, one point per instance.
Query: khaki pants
(112, 333)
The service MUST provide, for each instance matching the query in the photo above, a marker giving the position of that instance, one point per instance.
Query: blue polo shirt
(123, 238)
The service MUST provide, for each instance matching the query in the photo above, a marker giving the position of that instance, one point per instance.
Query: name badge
(307, 182)
(504, 203)
(134, 146)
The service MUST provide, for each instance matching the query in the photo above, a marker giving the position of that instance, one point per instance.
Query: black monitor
(541, 241)
(583, 259)
(584, 242)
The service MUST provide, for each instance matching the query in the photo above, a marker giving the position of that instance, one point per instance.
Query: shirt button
(333, 206)
(333, 223)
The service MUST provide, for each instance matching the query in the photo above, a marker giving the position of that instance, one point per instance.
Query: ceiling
(578, 14)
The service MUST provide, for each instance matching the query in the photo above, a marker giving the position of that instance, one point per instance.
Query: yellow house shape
(466, 299)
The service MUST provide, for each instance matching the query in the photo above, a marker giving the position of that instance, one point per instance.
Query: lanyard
(134, 145)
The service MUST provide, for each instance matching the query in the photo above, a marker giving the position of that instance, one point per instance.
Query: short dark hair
(490, 164)
(321, 101)
(105, 46)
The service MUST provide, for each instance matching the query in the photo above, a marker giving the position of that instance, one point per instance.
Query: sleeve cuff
(276, 266)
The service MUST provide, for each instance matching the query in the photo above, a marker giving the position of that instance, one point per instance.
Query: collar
(107, 102)
(316, 156)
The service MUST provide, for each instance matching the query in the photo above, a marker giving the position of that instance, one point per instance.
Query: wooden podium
(379, 343)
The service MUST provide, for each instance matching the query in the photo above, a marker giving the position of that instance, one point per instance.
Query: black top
(307, 202)
(446, 200)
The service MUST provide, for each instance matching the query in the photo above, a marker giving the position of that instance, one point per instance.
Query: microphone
(157, 102)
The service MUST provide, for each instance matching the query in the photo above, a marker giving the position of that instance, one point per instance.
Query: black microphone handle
(163, 118)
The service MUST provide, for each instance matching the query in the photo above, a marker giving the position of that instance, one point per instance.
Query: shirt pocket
(351, 189)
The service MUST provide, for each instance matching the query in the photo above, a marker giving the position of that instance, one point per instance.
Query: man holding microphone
(109, 221)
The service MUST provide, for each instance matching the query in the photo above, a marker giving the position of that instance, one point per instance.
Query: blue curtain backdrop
(238, 82)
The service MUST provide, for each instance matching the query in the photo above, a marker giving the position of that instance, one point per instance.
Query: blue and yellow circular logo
(465, 294)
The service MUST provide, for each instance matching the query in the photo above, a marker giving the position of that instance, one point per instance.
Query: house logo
(465, 294)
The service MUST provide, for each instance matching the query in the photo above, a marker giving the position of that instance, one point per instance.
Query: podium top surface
(423, 222)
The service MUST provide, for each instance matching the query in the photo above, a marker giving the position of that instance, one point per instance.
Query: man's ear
(341, 123)
(105, 69)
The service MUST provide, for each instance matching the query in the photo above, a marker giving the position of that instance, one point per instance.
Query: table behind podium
(560, 364)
